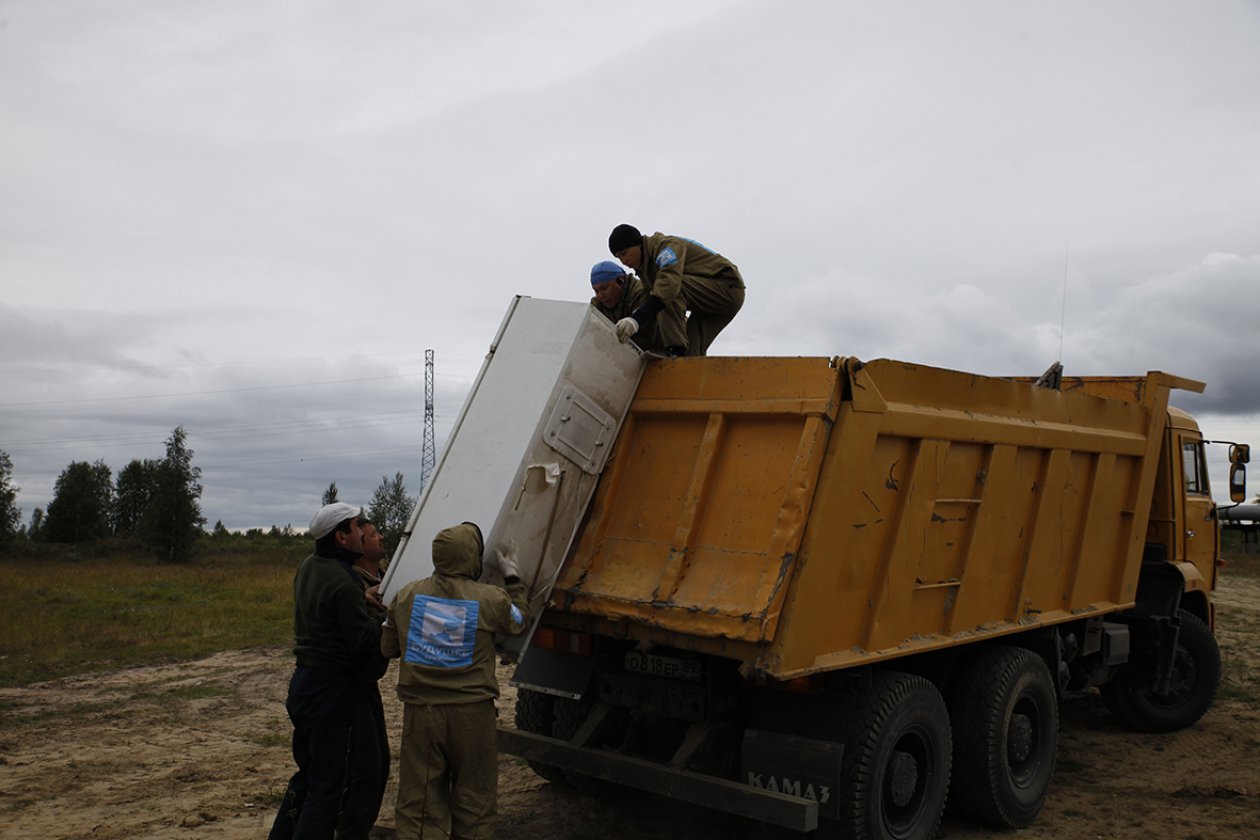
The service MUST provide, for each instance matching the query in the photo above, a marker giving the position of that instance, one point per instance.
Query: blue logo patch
(666, 257)
(442, 633)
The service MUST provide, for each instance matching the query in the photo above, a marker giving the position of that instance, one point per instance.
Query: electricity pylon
(428, 452)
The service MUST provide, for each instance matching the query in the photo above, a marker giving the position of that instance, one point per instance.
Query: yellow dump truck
(828, 594)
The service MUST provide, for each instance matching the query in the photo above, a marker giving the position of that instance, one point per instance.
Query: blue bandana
(604, 271)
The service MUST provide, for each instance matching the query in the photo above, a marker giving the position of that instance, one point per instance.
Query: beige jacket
(443, 626)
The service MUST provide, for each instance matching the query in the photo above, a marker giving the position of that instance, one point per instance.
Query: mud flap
(554, 672)
(795, 766)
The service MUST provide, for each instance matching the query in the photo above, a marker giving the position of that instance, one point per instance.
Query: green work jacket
(667, 258)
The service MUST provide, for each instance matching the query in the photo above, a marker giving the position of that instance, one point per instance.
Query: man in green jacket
(617, 294)
(333, 634)
(367, 763)
(680, 276)
(443, 627)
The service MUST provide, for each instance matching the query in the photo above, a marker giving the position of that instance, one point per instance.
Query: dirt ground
(200, 750)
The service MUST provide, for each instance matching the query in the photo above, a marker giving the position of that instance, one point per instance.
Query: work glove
(508, 563)
(626, 327)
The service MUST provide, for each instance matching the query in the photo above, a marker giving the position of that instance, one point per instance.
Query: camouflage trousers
(712, 303)
(448, 772)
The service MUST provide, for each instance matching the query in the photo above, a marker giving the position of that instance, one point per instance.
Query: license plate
(662, 666)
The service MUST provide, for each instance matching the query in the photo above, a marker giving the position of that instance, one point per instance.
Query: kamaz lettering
(791, 787)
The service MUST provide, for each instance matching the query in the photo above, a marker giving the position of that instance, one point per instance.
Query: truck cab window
(1192, 463)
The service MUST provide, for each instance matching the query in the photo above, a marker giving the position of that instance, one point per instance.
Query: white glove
(626, 327)
(507, 560)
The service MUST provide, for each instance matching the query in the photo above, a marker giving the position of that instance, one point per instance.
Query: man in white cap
(367, 764)
(333, 634)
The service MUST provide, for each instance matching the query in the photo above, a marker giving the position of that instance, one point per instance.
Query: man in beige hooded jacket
(443, 627)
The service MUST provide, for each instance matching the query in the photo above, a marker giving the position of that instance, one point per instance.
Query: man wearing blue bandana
(680, 276)
(443, 628)
(618, 293)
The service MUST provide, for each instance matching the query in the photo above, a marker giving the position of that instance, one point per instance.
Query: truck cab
(1183, 514)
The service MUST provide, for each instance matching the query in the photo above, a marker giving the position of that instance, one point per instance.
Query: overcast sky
(252, 217)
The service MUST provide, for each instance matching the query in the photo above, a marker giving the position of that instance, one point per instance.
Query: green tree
(220, 530)
(82, 500)
(36, 529)
(330, 495)
(390, 510)
(10, 513)
(136, 484)
(172, 521)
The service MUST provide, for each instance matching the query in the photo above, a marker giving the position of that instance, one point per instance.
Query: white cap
(327, 518)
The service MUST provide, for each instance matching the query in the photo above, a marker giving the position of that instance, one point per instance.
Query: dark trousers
(320, 704)
(367, 765)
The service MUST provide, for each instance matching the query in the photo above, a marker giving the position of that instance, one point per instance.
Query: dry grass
(66, 616)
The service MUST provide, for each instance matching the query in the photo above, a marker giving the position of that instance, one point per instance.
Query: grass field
(62, 615)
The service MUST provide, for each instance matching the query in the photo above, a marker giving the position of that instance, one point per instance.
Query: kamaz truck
(833, 594)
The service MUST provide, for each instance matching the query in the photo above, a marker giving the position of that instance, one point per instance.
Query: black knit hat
(622, 237)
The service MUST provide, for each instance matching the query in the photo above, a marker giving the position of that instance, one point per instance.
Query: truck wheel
(534, 711)
(568, 719)
(1196, 674)
(1006, 732)
(894, 775)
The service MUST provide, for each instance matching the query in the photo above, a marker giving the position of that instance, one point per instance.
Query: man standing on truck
(443, 627)
(333, 634)
(680, 276)
(367, 763)
(617, 294)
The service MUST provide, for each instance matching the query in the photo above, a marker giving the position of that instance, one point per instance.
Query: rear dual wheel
(894, 775)
(567, 720)
(558, 717)
(1005, 716)
(534, 713)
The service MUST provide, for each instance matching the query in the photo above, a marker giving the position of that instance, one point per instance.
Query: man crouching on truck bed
(443, 627)
(680, 276)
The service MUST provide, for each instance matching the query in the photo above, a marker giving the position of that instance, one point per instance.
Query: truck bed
(808, 514)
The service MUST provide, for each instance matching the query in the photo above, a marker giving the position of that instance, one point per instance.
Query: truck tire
(568, 719)
(894, 774)
(534, 713)
(1196, 674)
(1005, 715)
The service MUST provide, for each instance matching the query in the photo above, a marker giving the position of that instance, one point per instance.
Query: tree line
(390, 508)
(157, 503)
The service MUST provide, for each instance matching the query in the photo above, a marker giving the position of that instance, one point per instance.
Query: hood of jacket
(457, 551)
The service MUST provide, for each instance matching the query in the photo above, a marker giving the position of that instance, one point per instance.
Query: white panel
(497, 469)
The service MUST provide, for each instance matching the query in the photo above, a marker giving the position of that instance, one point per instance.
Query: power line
(296, 459)
(203, 393)
(218, 433)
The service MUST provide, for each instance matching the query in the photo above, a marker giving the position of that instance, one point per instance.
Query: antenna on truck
(1053, 377)
(1067, 247)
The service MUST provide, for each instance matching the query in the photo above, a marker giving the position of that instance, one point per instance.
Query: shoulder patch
(442, 632)
(518, 617)
(666, 257)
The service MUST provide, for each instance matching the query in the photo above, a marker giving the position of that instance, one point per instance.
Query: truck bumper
(686, 786)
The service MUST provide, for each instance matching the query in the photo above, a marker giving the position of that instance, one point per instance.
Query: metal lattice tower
(428, 452)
